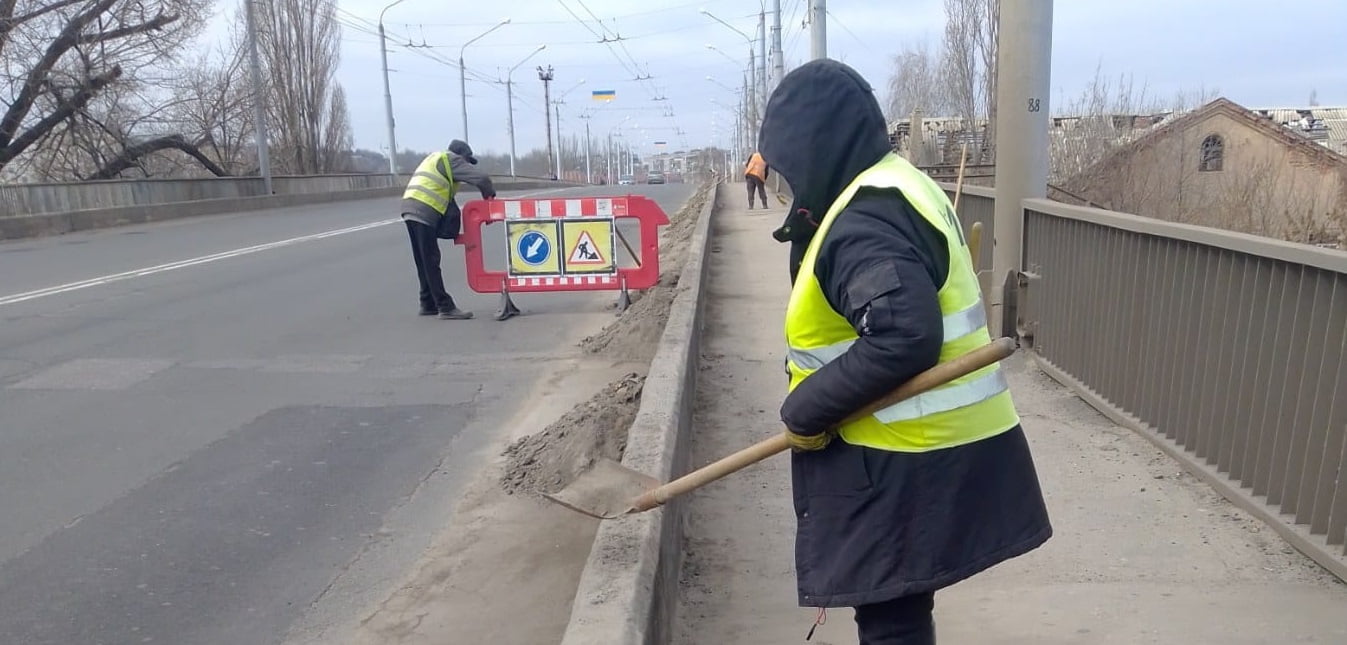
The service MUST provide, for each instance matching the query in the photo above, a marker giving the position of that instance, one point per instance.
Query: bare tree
(300, 43)
(969, 65)
(960, 64)
(916, 83)
(59, 56)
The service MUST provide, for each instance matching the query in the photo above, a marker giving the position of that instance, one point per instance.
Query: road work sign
(589, 246)
(567, 244)
(532, 247)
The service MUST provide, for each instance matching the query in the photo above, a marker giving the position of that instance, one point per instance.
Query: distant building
(1225, 166)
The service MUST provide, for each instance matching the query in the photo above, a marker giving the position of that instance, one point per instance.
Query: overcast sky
(1260, 54)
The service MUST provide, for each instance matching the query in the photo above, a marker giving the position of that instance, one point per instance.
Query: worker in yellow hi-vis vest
(755, 175)
(431, 214)
(930, 491)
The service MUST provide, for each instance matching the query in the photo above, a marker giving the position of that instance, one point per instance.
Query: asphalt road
(204, 422)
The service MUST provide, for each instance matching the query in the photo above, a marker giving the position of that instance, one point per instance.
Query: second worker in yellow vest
(923, 494)
(431, 214)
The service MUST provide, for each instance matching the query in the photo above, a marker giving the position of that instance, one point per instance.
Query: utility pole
(818, 29)
(762, 57)
(752, 116)
(778, 62)
(509, 119)
(509, 105)
(545, 75)
(589, 176)
(259, 110)
(556, 107)
(1023, 80)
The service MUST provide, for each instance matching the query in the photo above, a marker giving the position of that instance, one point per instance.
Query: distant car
(626, 180)
(655, 178)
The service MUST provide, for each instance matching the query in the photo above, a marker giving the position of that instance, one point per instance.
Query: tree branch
(37, 77)
(81, 98)
(130, 157)
(159, 22)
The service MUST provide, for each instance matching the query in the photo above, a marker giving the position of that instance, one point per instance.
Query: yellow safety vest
(963, 411)
(433, 182)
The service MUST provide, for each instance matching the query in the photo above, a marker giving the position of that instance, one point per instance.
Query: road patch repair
(508, 568)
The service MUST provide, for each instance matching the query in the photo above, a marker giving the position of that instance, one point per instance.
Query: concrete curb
(629, 587)
(42, 224)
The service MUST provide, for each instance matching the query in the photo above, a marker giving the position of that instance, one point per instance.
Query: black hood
(822, 127)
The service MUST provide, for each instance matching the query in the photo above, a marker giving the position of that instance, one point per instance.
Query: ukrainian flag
(603, 95)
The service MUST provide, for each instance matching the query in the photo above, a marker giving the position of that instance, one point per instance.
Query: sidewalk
(1142, 552)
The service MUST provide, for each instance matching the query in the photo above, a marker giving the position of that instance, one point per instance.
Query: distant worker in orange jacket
(755, 175)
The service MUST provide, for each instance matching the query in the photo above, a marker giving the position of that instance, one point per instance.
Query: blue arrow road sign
(534, 248)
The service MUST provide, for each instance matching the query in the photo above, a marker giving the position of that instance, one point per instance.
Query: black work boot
(455, 314)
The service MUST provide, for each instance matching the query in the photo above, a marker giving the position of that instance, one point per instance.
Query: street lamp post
(462, 74)
(509, 101)
(758, 76)
(749, 97)
(388, 94)
(557, 108)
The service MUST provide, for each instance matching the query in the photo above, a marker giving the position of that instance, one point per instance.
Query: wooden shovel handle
(936, 376)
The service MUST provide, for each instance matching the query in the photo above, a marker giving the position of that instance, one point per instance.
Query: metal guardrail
(32, 199)
(1228, 351)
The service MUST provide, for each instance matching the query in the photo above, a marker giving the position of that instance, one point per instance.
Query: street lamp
(509, 100)
(729, 89)
(720, 51)
(759, 79)
(388, 94)
(462, 74)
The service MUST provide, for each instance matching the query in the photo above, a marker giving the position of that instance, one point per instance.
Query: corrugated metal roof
(1326, 126)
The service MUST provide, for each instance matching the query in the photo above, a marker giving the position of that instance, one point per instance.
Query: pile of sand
(636, 333)
(548, 460)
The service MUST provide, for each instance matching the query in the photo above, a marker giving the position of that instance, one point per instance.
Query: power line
(851, 33)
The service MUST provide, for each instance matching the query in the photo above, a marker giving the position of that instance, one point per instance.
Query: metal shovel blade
(606, 490)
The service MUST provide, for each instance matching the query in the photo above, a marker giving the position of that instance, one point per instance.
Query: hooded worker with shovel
(922, 494)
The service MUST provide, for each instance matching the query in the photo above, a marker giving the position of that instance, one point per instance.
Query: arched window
(1213, 154)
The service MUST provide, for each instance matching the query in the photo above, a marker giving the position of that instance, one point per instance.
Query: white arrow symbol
(537, 244)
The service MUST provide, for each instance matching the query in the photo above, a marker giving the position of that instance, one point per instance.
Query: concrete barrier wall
(629, 587)
(33, 199)
(56, 223)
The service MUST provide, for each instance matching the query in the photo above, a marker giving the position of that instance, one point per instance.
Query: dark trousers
(901, 621)
(755, 184)
(426, 252)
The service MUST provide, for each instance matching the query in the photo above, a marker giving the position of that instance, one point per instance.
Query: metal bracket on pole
(507, 309)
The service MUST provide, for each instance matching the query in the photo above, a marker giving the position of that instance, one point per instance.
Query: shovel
(609, 490)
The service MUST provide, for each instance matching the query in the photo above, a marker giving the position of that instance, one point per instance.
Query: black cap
(462, 149)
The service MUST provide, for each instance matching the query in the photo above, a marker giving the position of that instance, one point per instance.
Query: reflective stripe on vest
(957, 325)
(429, 186)
(968, 409)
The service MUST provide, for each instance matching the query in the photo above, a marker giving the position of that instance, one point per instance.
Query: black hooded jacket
(881, 263)
(873, 525)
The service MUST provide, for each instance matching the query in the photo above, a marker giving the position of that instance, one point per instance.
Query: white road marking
(206, 259)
